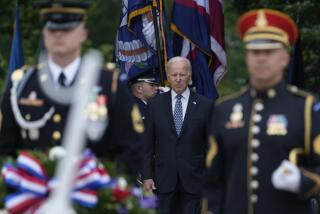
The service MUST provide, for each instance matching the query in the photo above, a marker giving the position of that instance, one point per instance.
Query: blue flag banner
(200, 24)
(16, 56)
(136, 49)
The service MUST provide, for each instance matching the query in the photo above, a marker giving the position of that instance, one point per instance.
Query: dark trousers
(179, 202)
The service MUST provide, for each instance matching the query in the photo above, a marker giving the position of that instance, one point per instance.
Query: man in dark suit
(176, 142)
(36, 102)
(143, 87)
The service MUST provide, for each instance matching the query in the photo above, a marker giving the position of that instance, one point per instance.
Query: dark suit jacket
(168, 155)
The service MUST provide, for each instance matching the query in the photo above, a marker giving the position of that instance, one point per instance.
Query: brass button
(254, 170)
(56, 135)
(255, 143)
(254, 184)
(257, 118)
(254, 157)
(259, 106)
(57, 118)
(28, 117)
(271, 93)
(255, 129)
(254, 198)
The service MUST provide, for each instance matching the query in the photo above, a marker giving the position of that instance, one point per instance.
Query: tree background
(103, 21)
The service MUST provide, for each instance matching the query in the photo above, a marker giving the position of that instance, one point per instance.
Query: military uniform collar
(270, 93)
(70, 70)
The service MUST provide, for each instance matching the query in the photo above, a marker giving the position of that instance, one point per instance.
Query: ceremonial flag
(136, 48)
(16, 56)
(200, 24)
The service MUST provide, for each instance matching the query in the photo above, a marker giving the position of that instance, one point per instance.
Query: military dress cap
(148, 76)
(62, 15)
(267, 29)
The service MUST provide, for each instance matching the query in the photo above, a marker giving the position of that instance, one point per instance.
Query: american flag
(200, 25)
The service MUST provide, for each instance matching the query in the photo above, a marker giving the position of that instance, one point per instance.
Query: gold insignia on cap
(17, 75)
(136, 119)
(261, 19)
(316, 145)
(213, 150)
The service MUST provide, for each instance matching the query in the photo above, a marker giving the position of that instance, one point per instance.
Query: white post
(74, 138)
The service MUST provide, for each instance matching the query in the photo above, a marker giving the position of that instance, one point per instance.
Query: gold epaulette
(17, 75)
(295, 90)
(232, 96)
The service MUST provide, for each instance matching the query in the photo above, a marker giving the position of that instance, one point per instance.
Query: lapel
(190, 107)
(168, 111)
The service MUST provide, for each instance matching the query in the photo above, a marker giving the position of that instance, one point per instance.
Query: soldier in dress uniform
(37, 100)
(143, 87)
(260, 135)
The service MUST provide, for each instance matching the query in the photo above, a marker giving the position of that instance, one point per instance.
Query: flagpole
(158, 44)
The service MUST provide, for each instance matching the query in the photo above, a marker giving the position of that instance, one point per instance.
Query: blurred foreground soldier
(257, 131)
(36, 102)
(143, 87)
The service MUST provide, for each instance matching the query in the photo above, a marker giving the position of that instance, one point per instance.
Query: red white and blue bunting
(33, 185)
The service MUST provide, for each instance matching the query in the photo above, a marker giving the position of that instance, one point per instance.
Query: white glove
(287, 177)
(148, 31)
(163, 89)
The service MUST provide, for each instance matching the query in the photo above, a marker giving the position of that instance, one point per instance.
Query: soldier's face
(148, 90)
(266, 67)
(65, 43)
(178, 76)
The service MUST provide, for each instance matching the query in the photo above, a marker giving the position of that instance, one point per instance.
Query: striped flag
(200, 25)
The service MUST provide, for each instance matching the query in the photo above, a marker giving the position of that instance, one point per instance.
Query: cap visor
(61, 26)
(263, 46)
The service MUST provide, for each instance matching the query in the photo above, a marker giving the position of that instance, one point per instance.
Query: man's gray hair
(180, 59)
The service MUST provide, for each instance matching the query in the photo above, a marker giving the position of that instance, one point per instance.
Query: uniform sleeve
(9, 131)
(122, 141)
(149, 143)
(310, 179)
(213, 189)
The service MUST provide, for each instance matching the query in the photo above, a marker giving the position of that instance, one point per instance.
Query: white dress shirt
(184, 100)
(70, 71)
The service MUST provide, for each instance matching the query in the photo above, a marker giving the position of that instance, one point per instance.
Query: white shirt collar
(185, 94)
(69, 71)
(184, 100)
